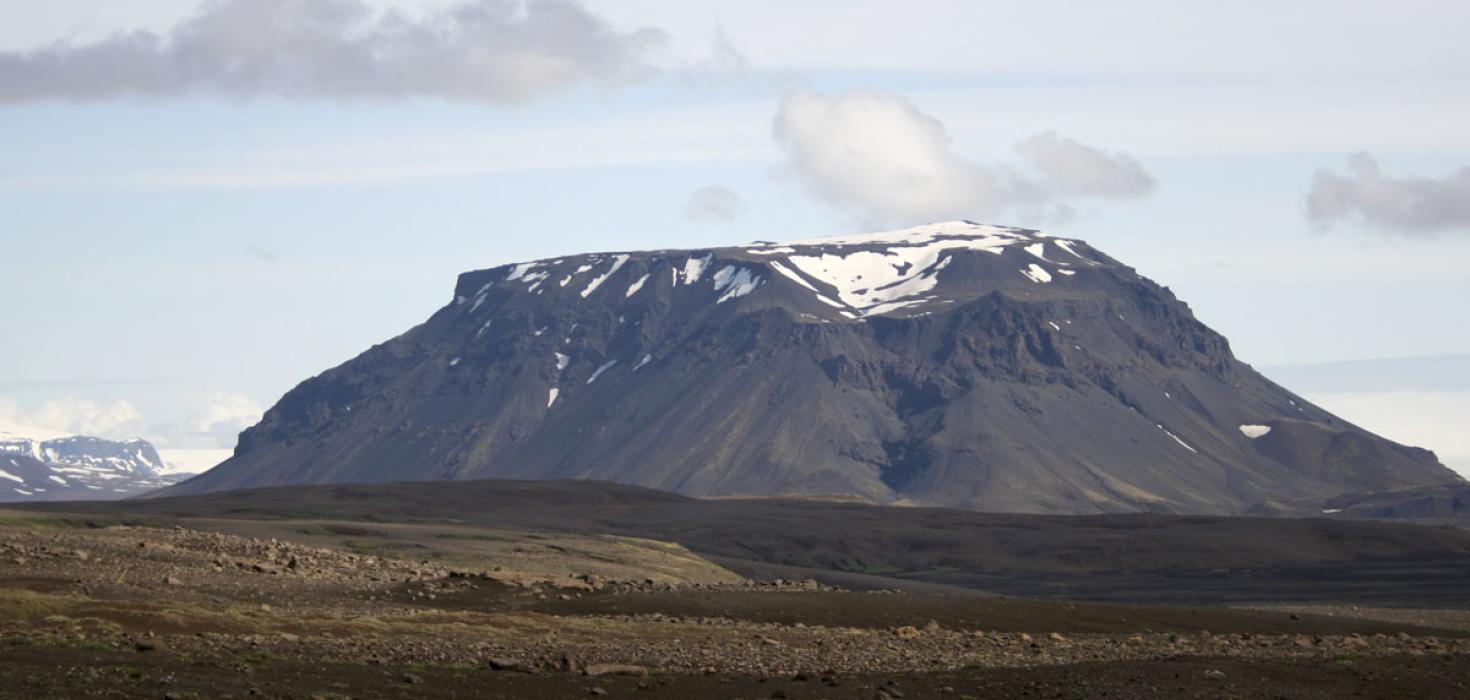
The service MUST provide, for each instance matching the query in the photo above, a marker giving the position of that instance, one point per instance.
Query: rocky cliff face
(953, 364)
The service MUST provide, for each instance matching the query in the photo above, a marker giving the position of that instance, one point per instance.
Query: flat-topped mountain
(952, 364)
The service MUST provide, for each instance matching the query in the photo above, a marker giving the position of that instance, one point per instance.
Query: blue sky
(176, 260)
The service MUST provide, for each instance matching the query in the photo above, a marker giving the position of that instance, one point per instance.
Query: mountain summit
(952, 364)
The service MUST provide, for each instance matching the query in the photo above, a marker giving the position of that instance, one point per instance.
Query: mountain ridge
(42, 464)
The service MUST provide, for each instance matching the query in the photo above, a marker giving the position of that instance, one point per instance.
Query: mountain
(38, 464)
(953, 364)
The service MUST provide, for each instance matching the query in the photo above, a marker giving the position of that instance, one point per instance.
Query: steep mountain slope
(43, 465)
(950, 364)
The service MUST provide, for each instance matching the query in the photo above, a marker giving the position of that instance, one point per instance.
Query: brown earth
(189, 612)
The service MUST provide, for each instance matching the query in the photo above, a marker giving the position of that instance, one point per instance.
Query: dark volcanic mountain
(951, 364)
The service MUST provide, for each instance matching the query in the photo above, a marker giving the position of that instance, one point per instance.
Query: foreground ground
(214, 608)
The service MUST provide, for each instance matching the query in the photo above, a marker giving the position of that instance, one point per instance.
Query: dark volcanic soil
(34, 673)
(850, 609)
(1186, 560)
(281, 608)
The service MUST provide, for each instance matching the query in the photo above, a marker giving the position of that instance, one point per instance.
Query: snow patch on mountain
(633, 288)
(618, 262)
(870, 274)
(735, 282)
(603, 368)
(694, 269)
(1036, 273)
(1178, 439)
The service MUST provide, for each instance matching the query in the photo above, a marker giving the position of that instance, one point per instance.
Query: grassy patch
(29, 605)
(74, 522)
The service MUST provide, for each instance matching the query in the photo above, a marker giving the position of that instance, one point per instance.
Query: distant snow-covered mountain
(39, 464)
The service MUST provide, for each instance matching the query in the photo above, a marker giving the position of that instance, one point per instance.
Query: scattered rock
(615, 670)
(504, 665)
(568, 663)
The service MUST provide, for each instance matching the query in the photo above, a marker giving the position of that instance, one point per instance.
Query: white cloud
(880, 157)
(1069, 167)
(714, 203)
(72, 416)
(223, 416)
(214, 423)
(1050, 38)
(1408, 205)
(498, 51)
(193, 461)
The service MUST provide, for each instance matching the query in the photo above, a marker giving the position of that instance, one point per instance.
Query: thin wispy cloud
(883, 159)
(1410, 205)
(714, 203)
(263, 254)
(388, 158)
(491, 51)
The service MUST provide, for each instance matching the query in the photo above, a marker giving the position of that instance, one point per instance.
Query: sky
(204, 203)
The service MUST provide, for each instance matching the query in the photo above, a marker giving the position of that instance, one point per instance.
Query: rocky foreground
(175, 599)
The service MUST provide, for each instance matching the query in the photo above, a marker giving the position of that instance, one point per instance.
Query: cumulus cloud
(73, 416)
(714, 203)
(1070, 167)
(498, 51)
(1407, 205)
(881, 157)
(223, 416)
